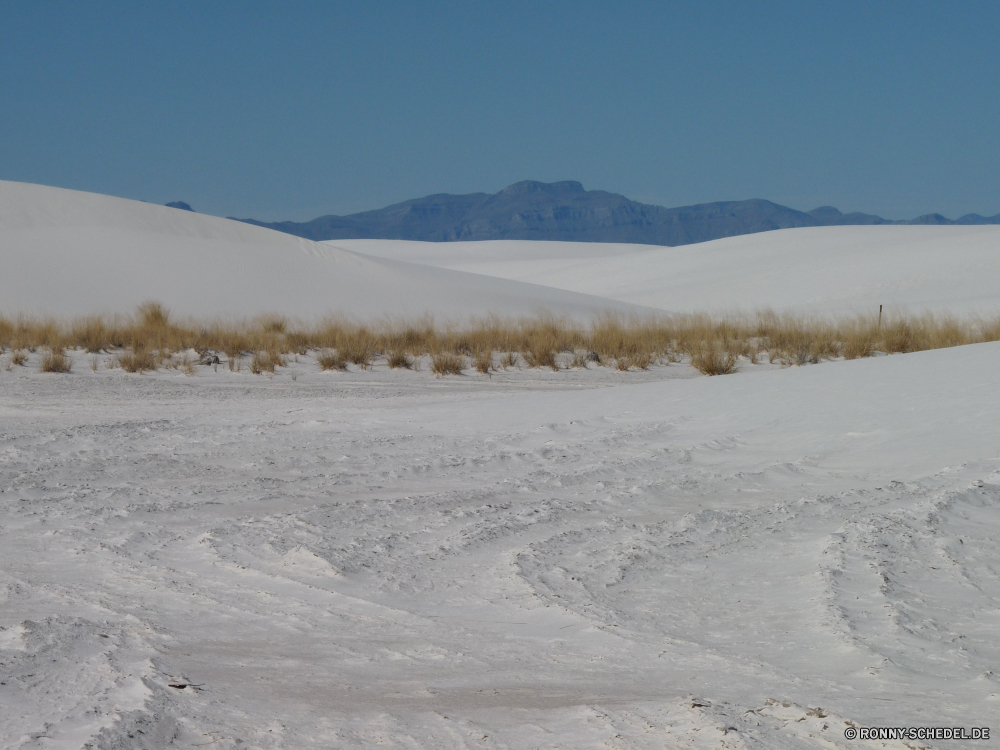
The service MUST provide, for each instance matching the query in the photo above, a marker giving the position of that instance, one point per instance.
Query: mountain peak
(550, 188)
(826, 212)
(181, 205)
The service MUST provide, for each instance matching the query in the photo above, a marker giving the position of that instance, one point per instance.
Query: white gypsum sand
(827, 270)
(363, 558)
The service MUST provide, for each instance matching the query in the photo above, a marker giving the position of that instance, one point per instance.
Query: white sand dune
(459, 254)
(817, 269)
(65, 252)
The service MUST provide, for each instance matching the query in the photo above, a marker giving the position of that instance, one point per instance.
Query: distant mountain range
(532, 210)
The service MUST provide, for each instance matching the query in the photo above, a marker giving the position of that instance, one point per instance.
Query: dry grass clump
(484, 362)
(510, 359)
(18, 357)
(332, 360)
(541, 355)
(272, 324)
(789, 339)
(153, 315)
(627, 343)
(398, 358)
(56, 361)
(637, 360)
(265, 361)
(859, 342)
(137, 360)
(447, 364)
(898, 338)
(714, 360)
(91, 334)
(359, 352)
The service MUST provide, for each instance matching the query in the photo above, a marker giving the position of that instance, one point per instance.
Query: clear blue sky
(290, 110)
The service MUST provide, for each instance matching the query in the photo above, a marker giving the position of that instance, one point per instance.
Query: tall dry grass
(56, 361)
(331, 361)
(140, 359)
(447, 364)
(265, 361)
(397, 359)
(484, 362)
(714, 360)
(152, 336)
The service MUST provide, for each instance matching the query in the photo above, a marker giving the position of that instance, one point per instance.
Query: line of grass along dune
(151, 338)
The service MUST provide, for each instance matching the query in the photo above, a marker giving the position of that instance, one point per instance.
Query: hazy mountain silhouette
(532, 210)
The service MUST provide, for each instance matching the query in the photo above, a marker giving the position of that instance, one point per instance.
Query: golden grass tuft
(273, 324)
(91, 334)
(332, 360)
(858, 343)
(540, 354)
(359, 353)
(137, 360)
(483, 362)
(153, 315)
(639, 360)
(447, 364)
(399, 359)
(714, 360)
(18, 357)
(56, 361)
(265, 361)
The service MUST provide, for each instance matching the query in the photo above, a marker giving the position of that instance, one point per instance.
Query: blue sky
(290, 110)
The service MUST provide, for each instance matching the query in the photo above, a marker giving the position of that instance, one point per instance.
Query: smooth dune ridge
(840, 270)
(66, 252)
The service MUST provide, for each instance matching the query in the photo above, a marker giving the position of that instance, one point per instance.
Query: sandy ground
(534, 560)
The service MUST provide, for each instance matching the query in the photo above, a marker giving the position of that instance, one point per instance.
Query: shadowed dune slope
(65, 252)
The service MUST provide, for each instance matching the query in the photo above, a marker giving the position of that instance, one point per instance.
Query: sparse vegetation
(714, 360)
(330, 360)
(399, 359)
(153, 315)
(56, 361)
(541, 356)
(359, 352)
(265, 361)
(637, 360)
(510, 359)
(447, 364)
(138, 360)
(484, 362)
(146, 341)
(273, 324)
